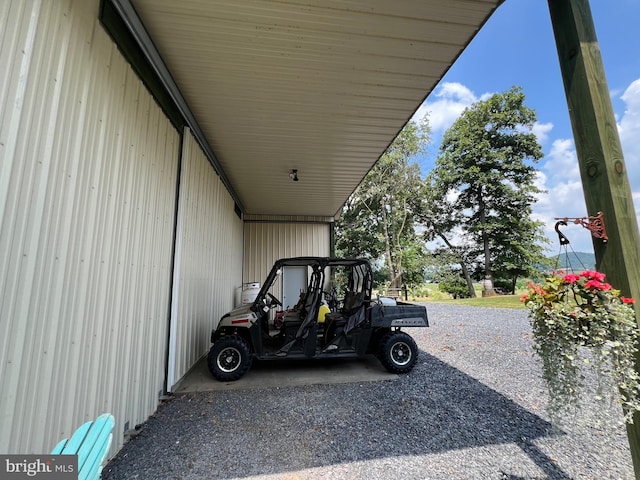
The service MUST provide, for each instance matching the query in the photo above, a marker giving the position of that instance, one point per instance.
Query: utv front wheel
(398, 352)
(229, 358)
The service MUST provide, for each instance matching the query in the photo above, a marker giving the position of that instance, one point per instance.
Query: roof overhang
(319, 86)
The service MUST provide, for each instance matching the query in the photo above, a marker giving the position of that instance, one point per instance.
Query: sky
(516, 47)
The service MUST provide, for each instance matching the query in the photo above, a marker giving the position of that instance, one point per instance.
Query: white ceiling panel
(318, 86)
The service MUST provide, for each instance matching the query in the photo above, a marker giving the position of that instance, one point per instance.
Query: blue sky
(517, 47)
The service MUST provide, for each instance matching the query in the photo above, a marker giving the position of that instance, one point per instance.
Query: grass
(432, 294)
(499, 301)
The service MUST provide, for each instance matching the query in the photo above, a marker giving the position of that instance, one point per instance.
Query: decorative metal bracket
(594, 224)
(561, 236)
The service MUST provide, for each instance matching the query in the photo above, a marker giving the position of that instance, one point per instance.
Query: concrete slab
(271, 374)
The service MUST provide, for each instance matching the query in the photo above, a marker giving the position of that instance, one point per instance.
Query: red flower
(628, 300)
(536, 289)
(571, 278)
(593, 275)
(524, 298)
(595, 284)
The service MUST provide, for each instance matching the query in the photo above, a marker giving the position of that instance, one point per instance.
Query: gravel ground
(473, 408)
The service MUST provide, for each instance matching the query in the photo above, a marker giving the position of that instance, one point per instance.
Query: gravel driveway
(473, 408)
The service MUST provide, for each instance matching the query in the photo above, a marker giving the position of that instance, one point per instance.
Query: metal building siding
(208, 259)
(88, 173)
(265, 242)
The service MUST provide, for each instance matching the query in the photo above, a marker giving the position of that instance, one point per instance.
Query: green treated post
(602, 168)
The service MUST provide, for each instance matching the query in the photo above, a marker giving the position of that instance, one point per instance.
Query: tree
(443, 271)
(524, 258)
(440, 222)
(377, 221)
(482, 187)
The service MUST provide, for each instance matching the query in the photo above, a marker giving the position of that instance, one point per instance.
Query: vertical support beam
(602, 168)
(332, 239)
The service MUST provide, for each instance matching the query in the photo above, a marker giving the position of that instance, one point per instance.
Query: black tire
(398, 352)
(229, 358)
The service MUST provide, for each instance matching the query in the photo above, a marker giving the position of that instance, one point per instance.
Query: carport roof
(321, 86)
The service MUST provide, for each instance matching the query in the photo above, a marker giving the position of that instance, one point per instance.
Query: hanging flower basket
(581, 322)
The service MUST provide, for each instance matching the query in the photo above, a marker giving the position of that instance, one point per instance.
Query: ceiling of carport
(321, 86)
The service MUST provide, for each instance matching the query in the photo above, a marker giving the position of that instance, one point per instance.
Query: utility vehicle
(335, 317)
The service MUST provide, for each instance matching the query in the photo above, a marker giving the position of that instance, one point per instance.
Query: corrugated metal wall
(208, 259)
(88, 173)
(265, 242)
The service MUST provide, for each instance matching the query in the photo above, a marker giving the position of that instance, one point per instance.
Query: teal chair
(91, 443)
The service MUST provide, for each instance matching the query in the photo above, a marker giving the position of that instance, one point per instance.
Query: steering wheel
(275, 300)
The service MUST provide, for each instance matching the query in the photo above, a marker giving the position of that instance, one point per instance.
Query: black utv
(334, 317)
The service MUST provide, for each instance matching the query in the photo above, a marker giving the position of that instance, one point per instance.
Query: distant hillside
(576, 261)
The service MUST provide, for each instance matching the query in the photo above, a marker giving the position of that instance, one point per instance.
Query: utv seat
(352, 303)
(297, 317)
(302, 322)
(339, 323)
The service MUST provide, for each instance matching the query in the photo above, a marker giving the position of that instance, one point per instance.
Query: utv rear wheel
(398, 352)
(229, 358)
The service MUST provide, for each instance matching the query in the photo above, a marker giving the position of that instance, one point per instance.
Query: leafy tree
(377, 221)
(415, 259)
(514, 260)
(440, 222)
(478, 197)
(454, 286)
(449, 278)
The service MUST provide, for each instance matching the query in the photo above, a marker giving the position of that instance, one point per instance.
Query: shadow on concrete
(272, 431)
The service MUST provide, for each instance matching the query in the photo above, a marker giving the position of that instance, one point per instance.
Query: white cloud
(450, 101)
(542, 131)
(629, 130)
(631, 97)
(562, 162)
(564, 197)
(458, 91)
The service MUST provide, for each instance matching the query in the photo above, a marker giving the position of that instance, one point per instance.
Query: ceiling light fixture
(293, 175)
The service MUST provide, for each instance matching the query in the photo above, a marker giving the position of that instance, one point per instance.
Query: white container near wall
(237, 299)
(249, 292)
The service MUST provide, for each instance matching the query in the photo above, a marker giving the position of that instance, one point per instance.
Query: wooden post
(602, 168)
